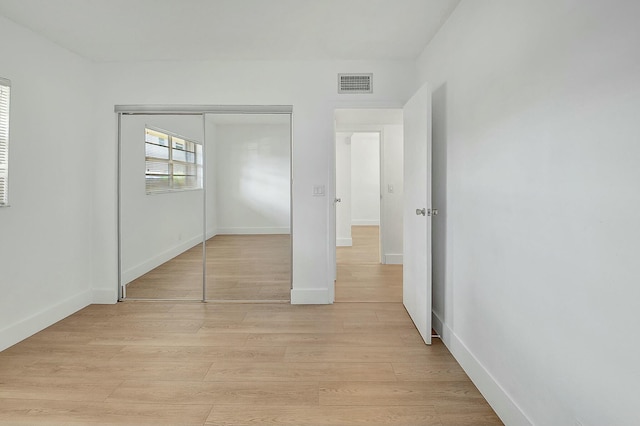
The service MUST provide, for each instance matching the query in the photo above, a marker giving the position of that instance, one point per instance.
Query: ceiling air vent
(355, 83)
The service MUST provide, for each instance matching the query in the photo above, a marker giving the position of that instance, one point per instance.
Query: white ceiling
(150, 30)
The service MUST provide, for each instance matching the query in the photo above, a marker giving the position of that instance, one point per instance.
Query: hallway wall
(365, 179)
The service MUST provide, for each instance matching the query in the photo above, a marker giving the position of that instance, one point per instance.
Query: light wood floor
(360, 276)
(239, 267)
(191, 363)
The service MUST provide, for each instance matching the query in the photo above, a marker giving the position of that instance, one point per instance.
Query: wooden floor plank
(325, 339)
(57, 388)
(398, 393)
(239, 393)
(88, 369)
(200, 354)
(124, 338)
(228, 415)
(442, 369)
(273, 327)
(316, 353)
(61, 352)
(300, 371)
(29, 411)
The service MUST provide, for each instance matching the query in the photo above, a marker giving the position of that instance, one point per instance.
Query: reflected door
(161, 207)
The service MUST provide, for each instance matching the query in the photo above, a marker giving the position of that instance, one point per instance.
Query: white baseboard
(152, 263)
(364, 222)
(436, 323)
(393, 259)
(26, 327)
(105, 296)
(253, 231)
(504, 406)
(344, 242)
(310, 296)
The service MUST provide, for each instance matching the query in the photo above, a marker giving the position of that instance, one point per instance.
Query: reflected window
(173, 163)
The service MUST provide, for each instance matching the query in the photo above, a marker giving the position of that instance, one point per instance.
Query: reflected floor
(239, 267)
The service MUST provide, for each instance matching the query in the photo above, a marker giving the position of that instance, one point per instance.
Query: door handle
(427, 212)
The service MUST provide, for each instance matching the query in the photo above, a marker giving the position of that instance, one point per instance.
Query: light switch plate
(318, 190)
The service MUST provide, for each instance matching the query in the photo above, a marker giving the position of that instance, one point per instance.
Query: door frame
(141, 109)
(331, 208)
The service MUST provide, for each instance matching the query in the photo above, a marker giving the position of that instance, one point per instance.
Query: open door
(416, 284)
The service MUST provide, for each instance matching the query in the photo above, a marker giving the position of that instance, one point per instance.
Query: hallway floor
(360, 276)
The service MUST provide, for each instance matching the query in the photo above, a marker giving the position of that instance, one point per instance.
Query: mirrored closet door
(248, 252)
(205, 203)
(161, 200)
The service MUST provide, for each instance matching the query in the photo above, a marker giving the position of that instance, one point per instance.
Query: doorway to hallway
(368, 207)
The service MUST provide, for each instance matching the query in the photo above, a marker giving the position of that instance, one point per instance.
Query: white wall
(155, 227)
(538, 102)
(46, 235)
(392, 199)
(343, 189)
(248, 83)
(365, 179)
(252, 169)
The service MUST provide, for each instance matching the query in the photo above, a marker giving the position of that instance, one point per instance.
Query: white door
(416, 285)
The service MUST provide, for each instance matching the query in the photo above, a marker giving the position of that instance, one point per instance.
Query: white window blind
(5, 91)
(172, 163)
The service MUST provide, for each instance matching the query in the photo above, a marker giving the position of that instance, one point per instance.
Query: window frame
(5, 118)
(197, 162)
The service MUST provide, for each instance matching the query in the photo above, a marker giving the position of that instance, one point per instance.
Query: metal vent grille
(355, 83)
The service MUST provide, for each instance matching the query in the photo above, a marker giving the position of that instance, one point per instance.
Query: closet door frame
(200, 110)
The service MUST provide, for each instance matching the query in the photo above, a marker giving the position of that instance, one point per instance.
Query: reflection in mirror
(161, 206)
(248, 207)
